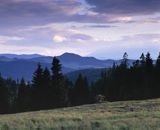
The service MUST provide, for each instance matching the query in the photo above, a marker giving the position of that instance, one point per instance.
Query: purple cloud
(125, 7)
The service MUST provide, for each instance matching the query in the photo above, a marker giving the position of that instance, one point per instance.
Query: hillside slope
(137, 115)
(18, 66)
(92, 75)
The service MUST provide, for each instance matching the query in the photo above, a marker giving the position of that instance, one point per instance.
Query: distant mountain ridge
(79, 62)
(23, 56)
(18, 66)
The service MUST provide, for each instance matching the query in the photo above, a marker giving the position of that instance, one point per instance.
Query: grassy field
(128, 115)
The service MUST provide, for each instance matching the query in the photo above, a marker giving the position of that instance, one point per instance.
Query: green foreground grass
(128, 115)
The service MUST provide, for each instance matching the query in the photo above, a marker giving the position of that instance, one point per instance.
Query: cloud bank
(125, 7)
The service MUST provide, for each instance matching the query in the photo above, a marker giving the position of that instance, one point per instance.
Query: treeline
(126, 82)
(50, 89)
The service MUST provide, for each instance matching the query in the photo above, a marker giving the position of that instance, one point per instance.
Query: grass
(128, 115)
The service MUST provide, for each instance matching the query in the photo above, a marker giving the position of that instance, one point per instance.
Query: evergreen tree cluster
(50, 89)
(126, 82)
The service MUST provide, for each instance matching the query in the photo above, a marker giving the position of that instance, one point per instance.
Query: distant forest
(50, 89)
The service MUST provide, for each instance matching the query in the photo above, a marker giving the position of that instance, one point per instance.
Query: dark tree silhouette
(46, 83)
(142, 60)
(4, 106)
(124, 63)
(23, 97)
(149, 62)
(80, 91)
(59, 87)
(37, 84)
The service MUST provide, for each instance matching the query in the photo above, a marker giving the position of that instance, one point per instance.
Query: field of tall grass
(128, 115)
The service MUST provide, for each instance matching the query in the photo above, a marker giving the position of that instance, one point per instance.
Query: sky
(104, 29)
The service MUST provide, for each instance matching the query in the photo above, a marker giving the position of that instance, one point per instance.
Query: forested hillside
(50, 89)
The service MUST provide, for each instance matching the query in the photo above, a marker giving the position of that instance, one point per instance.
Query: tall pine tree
(37, 84)
(59, 87)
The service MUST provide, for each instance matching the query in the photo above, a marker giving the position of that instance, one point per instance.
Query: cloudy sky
(100, 28)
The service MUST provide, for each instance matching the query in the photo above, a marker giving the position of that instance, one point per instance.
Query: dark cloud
(125, 7)
(23, 8)
(40, 8)
(30, 12)
(40, 12)
(14, 13)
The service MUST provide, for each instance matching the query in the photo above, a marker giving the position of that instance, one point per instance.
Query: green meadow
(122, 115)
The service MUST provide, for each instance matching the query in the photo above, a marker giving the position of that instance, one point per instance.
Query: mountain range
(18, 66)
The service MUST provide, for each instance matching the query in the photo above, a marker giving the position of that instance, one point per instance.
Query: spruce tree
(46, 84)
(23, 97)
(37, 84)
(56, 70)
(4, 106)
(80, 91)
(149, 81)
(37, 77)
(149, 62)
(46, 77)
(142, 60)
(124, 63)
(59, 87)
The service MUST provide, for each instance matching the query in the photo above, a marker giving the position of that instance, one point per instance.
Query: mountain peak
(66, 54)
